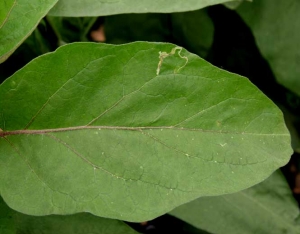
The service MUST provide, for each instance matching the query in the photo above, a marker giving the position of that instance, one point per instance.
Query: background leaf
(195, 31)
(22, 21)
(5, 9)
(147, 27)
(7, 225)
(192, 30)
(259, 209)
(275, 27)
(12, 222)
(38, 43)
(71, 29)
(112, 7)
(128, 144)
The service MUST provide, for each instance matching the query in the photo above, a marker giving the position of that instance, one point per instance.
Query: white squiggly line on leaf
(163, 55)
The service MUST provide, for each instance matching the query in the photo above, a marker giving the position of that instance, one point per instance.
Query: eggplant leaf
(22, 20)
(267, 206)
(12, 222)
(5, 8)
(276, 30)
(131, 131)
(112, 7)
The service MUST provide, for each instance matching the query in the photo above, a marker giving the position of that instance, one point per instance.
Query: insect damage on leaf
(163, 55)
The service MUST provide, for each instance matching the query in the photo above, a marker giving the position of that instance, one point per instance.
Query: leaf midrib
(124, 128)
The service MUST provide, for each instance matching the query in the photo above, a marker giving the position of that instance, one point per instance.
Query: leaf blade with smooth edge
(275, 28)
(259, 209)
(112, 7)
(22, 21)
(104, 134)
(5, 9)
(12, 222)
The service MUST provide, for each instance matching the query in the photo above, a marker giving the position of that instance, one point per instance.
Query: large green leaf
(268, 207)
(12, 222)
(92, 127)
(112, 7)
(23, 19)
(276, 30)
(5, 8)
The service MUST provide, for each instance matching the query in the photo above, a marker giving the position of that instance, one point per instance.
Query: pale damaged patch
(163, 55)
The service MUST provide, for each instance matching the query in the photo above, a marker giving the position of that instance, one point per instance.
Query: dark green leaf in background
(195, 31)
(38, 43)
(292, 121)
(125, 28)
(192, 30)
(268, 207)
(12, 222)
(92, 127)
(7, 225)
(112, 7)
(23, 19)
(71, 29)
(5, 8)
(276, 28)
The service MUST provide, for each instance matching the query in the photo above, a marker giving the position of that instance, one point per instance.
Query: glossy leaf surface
(103, 133)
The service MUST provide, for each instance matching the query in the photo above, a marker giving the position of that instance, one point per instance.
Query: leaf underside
(92, 127)
(112, 7)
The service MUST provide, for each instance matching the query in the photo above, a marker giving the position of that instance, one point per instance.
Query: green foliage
(22, 20)
(234, 4)
(5, 8)
(12, 222)
(71, 29)
(132, 131)
(112, 7)
(186, 27)
(160, 135)
(276, 29)
(275, 209)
